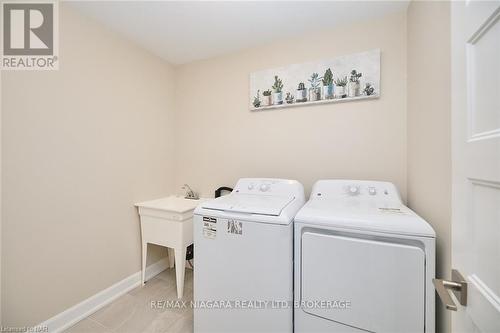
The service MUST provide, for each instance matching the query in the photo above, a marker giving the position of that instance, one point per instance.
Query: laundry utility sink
(173, 207)
(168, 222)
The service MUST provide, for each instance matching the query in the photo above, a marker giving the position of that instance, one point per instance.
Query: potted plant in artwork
(256, 100)
(266, 97)
(354, 85)
(340, 87)
(301, 93)
(289, 98)
(315, 90)
(369, 90)
(328, 84)
(277, 88)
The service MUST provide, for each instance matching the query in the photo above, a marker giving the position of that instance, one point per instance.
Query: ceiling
(185, 31)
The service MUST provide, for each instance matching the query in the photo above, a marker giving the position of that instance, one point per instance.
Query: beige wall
(80, 146)
(218, 140)
(0, 198)
(429, 116)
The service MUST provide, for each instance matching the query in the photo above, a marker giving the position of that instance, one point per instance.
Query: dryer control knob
(264, 187)
(372, 190)
(353, 190)
(250, 186)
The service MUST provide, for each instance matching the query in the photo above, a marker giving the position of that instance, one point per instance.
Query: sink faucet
(190, 194)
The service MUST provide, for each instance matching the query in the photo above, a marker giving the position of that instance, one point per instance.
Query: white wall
(80, 146)
(218, 140)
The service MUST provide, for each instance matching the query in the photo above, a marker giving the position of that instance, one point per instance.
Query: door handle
(457, 284)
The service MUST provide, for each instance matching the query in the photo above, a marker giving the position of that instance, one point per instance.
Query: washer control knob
(353, 190)
(372, 190)
(265, 187)
(251, 186)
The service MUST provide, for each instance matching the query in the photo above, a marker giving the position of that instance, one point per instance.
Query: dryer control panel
(364, 189)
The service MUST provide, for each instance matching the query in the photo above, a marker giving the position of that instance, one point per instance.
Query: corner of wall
(1, 199)
(429, 128)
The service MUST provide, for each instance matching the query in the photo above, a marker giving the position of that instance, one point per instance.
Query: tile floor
(134, 313)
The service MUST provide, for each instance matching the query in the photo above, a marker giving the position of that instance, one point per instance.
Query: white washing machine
(243, 271)
(363, 261)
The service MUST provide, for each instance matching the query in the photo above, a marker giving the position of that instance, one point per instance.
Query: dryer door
(382, 282)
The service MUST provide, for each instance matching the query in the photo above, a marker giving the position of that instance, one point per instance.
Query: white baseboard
(71, 316)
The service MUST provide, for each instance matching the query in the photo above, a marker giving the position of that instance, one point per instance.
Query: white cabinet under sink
(168, 222)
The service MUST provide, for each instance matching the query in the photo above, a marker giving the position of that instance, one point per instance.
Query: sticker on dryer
(209, 227)
(234, 227)
(392, 210)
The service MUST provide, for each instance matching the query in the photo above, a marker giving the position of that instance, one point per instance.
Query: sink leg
(170, 257)
(144, 257)
(180, 264)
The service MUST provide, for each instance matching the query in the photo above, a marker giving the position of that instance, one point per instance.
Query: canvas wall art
(345, 78)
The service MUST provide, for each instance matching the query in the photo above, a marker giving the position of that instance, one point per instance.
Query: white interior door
(475, 30)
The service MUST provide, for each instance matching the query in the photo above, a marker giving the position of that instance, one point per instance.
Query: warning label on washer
(209, 227)
(234, 227)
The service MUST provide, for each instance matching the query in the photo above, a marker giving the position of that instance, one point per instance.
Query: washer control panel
(268, 186)
(372, 190)
(260, 186)
(353, 189)
(264, 187)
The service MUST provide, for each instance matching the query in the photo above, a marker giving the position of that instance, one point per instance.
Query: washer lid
(372, 215)
(250, 204)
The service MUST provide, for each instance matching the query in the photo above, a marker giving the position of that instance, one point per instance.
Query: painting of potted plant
(343, 79)
(315, 90)
(256, 100)
(369, 90)
(266, 97)
(354, 85)
(340, 87)
(277, 89)
(301, 93)
(328, 84)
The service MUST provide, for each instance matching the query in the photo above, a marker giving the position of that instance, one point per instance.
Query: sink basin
(168, 222)
(173, 207)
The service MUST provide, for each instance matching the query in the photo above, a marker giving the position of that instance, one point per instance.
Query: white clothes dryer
(363, 261)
